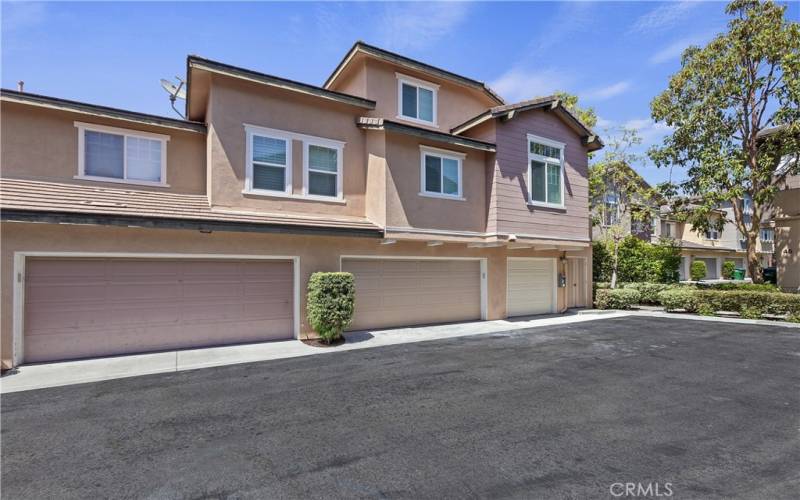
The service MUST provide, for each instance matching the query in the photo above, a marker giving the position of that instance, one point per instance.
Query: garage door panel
(530, 287)
(92, 307)
(393, 292)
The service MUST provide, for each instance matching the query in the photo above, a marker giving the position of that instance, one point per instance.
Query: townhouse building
(125, 232)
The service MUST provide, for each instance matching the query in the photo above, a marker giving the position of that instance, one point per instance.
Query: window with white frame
(610, 209)
(416, 100)
(269, 166)
(545, 171)
(712, 234)
(323, 169)
(441, 173)
(114, 154)
(767, 235)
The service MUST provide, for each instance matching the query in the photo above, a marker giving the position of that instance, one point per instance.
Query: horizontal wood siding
(509, 195)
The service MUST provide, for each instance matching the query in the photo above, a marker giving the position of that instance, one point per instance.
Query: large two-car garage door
(76, 308)
(398, 292)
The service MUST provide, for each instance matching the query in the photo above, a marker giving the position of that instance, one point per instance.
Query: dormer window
(416, 100)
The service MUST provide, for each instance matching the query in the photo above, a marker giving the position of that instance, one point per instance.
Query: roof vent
(21, 86)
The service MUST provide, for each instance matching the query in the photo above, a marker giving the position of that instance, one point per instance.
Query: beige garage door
(413, 292)
(76, 308)
(530, 286)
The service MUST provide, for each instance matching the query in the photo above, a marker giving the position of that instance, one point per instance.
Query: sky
(616, 56)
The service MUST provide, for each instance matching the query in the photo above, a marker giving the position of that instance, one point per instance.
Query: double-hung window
(323, 169)
(611, 212)
(441, 173)
(767, 235)
(269, 160)
(113, 154)
(416, 100)
(545, 172)
(712, 234)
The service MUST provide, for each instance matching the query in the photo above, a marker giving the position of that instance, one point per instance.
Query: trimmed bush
(727, 270)
(678, 298)
(331, 298)
(748, 312)
(698, 270)
(638, 260)
(751, 287)
(648, 291)
(617, 298)
(705, 310)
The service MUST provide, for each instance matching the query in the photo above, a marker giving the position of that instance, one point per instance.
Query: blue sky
(615, 55)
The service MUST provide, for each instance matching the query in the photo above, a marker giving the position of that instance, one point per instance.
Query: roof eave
(382, 124)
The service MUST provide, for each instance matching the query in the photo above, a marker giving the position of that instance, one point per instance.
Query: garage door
(413, 292)
(530, 286)
(76, 308)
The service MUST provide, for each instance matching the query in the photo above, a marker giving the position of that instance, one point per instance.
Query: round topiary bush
(330, 303)
(727, 270)
(616, 298)
(698, 270)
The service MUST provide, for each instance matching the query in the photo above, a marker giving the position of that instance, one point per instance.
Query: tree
(734, 107)
(614, 185)
(587, 116)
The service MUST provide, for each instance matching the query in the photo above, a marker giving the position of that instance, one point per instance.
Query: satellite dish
(175, 92)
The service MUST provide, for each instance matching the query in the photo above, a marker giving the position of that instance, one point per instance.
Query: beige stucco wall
(787, 253)
(316, 253)
(235, 103)
(41, 143)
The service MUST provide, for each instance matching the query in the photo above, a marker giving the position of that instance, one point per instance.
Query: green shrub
(752, 287)
(698, 270)
(705, 310)
(750, 312)
(601, 261)
(639, 261)
(678, 298)
(617, 298)
(793, 318)
(648, 291)
(727, 270)
(331, 298)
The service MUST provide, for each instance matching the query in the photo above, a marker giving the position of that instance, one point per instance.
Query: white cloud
(649, 131)
(418, 25)
(607, 92)
(663, 17)
(675, 49)
(519, 84)
(603, 124)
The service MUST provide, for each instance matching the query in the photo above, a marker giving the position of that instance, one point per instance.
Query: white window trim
(325, 143)
(289, 137)
(767, 230)
(410, 80)
(251, 132)
(441, 153)
(710, 233)
(544, 159)
(125, 133)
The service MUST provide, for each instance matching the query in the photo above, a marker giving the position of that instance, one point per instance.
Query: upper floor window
(712, 234)
(269, 154)
(322, 169)
(113, 154)
(441, 173)
(416, 100)
(610, 209)
(545, 171)
(668, 229)
(767, 235)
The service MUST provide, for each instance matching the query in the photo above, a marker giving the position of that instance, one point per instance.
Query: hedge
(751, 287)
(331, 298)
(697, 270)
(616, 298)
(746, 303)
(648, 291)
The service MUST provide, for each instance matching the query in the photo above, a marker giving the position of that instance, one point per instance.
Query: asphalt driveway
(566, 411)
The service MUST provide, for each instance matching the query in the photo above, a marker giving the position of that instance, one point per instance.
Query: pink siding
(508, 204)
(78, 308)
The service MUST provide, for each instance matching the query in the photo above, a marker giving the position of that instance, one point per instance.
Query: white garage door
(77, 308)
(531, 284)
(393, 292)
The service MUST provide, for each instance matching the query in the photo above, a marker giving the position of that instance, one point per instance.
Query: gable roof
(550, 103)
(98, 110)
(204, 64)
(407, 62)
(371, 123)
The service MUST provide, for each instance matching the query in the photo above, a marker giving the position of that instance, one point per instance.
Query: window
(322, 172)
(767, 235)
(269, 154)
(113, 154)
(441, 173)
(610, 209)
(546, 172)
(712, 234)
(668, 230)
(416, 100)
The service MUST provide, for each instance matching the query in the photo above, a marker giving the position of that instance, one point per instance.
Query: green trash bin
(738, 274)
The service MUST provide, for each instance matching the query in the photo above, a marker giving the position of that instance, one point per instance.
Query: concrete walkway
(39, 376)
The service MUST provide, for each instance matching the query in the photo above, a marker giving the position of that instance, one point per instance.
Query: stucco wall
(316, 254)
(40, 143)
(787, 253)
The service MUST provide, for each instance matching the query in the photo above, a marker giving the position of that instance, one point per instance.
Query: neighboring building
(636, 219)
(125, 232)
(714, 247)
(786, 222)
